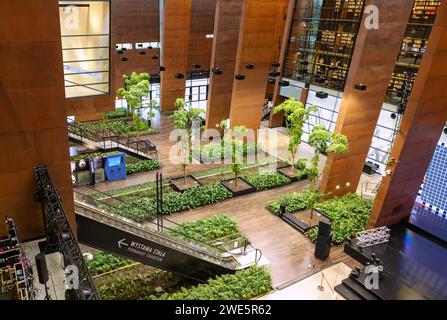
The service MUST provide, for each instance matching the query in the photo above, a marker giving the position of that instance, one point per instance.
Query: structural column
(422, 124)
(175, 46)
(33, 123)
(226, 39)
(372, 64)
(256, 46)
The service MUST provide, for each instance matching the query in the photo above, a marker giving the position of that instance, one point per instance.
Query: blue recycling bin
(115, 167)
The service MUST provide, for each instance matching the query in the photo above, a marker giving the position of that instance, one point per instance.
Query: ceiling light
(284, 83)
(274, 74)
(239, 77)
(321, 95)
(249, 66)
(162, 68)
(276, 64)
(360, 86)
(179, 75)
(216, 71)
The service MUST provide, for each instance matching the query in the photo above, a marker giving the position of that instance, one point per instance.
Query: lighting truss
(372, 237)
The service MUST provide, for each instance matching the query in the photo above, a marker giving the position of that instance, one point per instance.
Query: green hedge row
(268, 180)
(144, 208)
(103, 262)
(242, 285)
(293, 201)
(141, 166)
(118, 113)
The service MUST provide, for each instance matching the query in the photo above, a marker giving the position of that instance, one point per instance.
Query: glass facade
(85, 31)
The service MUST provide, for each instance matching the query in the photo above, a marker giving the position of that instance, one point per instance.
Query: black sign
(128, 245)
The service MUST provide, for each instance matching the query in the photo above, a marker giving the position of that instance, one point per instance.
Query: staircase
(155, 244)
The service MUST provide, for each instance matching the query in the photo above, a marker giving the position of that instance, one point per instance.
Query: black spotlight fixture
(124, 49)
(162, 68)
(155, 57)
(321, 95)
(197, 66)
(360, 86)
(239, 77)
(284, 83)
(393, 116)
(271, 81)
(124, 59)
(179, 75)
(143, 53)
(149, 47)
(274, 74)
(307, 85)
(249, 66)
(120, 52)
(276, 65)
(216, 71)
(445, 130)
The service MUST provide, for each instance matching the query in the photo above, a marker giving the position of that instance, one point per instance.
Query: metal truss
(372, 237)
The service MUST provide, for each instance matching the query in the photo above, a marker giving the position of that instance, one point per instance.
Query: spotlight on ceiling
(239, 77)
(271, 81)
(179, 75)
(149, 47)
(216, 71)
(284, 83)
(197, 66)
(393, 116)
(276, 65)
(124, 59)
(142, 53)
(120, 52)
(249, 66)
(162, 68)
(360, 86)
(274, 74)
(321, 95)
(445, 130)
(155, 57)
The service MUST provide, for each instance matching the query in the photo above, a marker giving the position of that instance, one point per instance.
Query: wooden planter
(178, 183)
(299, 219)
(244, 187)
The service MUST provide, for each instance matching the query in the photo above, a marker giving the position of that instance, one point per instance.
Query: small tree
(183, 118)
(296, 116)
(323, 141)
(237, 153)
(135, 89)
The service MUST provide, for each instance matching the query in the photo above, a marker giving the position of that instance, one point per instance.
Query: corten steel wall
(175, 48)
(201, 24)
(256, 46)
(225, 44)
(33, 127)
(422, 124)
(134, 21)
(372, 64)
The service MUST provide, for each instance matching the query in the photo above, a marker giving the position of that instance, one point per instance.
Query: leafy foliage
(207, 230)
(146, 165)
(293, 201)
(267, 180)
(349, 215)
(103, 262)
(144, 208)
(242, 285)
(118, 113)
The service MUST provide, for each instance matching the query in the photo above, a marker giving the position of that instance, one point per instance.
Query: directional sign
(108, 238)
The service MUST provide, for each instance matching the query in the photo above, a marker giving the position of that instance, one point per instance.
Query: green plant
(118, 113)
(296, 116)
(349, 215)
(146, 165)
(103, 262)
(293, 201)
(267, 180)
(242, 285)
(184, 118)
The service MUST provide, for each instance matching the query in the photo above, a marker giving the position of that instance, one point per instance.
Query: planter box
(178, 183)
(299, 219)
(244, 187)
(285, 170)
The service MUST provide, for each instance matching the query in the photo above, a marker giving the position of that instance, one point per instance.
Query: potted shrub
(296, 116)
(185, 117)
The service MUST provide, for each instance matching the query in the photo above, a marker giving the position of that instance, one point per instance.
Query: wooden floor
(289, 251)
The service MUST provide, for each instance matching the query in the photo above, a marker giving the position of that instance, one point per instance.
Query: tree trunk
(184, 174)
(293, 163)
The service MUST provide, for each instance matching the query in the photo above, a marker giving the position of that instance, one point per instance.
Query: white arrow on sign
(121, 242)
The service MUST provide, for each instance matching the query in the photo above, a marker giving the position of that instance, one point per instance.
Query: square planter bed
(294, 176)
(243, 186)
(300, 219)
(178, 184)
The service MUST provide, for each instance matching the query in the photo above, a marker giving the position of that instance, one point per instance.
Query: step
(295, 222)
(359, 289)
(347, 293)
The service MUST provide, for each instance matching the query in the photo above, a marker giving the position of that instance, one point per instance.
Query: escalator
(158, 243)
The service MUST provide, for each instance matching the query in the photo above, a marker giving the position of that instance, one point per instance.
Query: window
(85, 31)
